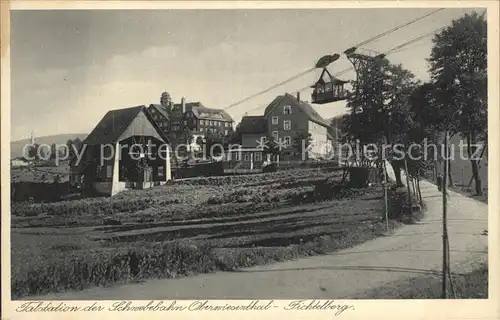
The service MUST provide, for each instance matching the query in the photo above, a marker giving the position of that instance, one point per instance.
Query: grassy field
(185, 227)
(41, 173)
(473, 285)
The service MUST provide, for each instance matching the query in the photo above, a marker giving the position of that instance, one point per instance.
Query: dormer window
(287, 110)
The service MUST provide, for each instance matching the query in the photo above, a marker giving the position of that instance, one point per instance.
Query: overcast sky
(70, 67)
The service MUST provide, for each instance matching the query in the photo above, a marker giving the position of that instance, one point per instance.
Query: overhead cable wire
(378, 36)
(270, 88)
(396, 49)
(397, 28)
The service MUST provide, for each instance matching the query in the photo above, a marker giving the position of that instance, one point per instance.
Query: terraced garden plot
(220, 220)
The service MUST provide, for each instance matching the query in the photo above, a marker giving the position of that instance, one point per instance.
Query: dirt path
(411, 250)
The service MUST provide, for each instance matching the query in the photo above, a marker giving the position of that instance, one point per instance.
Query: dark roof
(253, 124)
(160, 109)
(202, 112)
(304, 106)
(112, 125)
(329, 79)
(313, 115)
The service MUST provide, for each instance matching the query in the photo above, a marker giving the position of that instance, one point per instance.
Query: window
(287, 110)
(226, 132)
(185, 122)
(275, 135)
(202, 122)
(237, 156)
(275, 120)
(258, 156)
(247, 156)
(287, 142)
(287, 125)
(109, 171)
(160, 171)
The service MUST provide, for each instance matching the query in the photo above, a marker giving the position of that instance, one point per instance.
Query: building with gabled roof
(253, 130)
(161, 116)
(202, 121)
(127, 149)
(288, 118)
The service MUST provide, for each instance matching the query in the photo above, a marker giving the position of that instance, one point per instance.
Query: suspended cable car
(328, 89)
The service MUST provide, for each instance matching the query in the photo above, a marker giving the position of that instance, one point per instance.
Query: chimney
(298, 96)
(183, 105)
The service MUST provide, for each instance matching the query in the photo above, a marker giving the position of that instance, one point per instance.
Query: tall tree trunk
(408, 186)
(419, 192)
(397, 173)
(450, 177)
(471, 148)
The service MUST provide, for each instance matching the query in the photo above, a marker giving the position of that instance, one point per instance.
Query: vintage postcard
(250, 159)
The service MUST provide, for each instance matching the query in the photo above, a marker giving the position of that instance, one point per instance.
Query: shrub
(399, 207)
(111, 222)
(214, 200)
(80, 269)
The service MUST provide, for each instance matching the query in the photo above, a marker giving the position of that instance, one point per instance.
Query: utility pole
(445, 229)
(408, 185)
(385, 197)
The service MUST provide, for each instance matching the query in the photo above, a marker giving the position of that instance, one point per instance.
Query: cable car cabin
(328, 89)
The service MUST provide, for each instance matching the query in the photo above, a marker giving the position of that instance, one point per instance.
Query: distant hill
(16, 147)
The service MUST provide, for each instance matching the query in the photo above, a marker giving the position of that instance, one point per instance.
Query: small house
(126, 150)
(244, 159)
